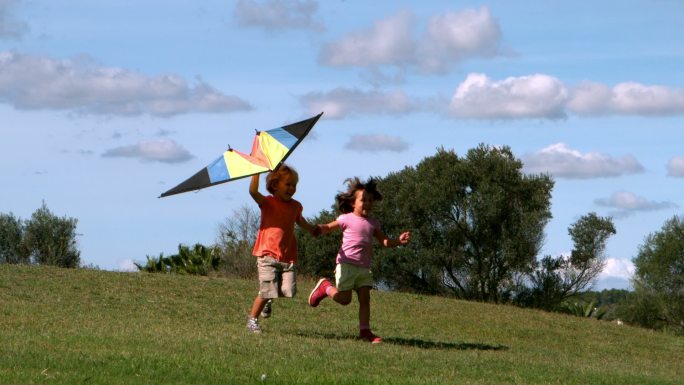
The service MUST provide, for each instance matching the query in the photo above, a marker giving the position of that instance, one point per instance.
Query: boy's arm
(403, 239)
(311, 229)
(254, 190)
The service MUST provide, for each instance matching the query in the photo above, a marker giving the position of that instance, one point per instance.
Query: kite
(270, 148)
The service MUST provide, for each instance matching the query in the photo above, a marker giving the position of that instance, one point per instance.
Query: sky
(105, 105)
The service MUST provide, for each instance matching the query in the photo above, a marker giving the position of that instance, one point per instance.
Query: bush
(44, 239)
(200, 260)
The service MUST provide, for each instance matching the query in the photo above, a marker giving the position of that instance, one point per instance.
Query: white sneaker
(253, 325)
(267, 309)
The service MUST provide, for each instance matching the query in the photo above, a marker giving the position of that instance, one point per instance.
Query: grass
(65, 326)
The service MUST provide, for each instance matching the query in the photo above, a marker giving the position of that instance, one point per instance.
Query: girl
(354, 257)
(275, 248)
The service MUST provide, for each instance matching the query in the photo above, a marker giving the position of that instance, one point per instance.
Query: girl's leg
(364, 316)
(341, 297)
(363, 293)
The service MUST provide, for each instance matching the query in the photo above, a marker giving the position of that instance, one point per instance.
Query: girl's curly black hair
(345, 200)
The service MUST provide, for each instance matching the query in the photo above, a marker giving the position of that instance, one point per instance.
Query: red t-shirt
(276, 232)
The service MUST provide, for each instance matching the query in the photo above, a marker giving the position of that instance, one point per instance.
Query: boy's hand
(316, 231)
(405, 237)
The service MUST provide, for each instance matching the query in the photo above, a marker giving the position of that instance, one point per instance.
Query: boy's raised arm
(254, 189)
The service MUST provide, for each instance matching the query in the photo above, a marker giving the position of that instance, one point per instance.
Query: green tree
(477, 221)
(317, 255)
(555, 280)
(235, 239)
(50, 240)
(659, 278)
(11, 234)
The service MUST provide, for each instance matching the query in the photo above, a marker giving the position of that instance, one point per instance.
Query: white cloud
(342, 102)
(127, 265)
(449, 39)
(628, 203)
(277, 14)
(161, 150)
(10, 28)
(389, 42)
(533, 96)
(456, 36)
(675, 167)
(629, 98)
(34, 82)
(376, 143)
(561, 161)
(618, 268)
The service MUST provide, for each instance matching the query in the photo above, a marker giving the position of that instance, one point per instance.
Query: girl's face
(286, 187)
(363, 203)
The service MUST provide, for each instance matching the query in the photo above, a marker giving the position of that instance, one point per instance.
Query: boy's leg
(257, 306)
(288, 280)
(268, 309)
(266, 268)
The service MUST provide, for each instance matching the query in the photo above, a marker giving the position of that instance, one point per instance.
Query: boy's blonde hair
(276, 175)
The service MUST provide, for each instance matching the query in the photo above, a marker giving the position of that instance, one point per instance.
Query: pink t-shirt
(357, 239)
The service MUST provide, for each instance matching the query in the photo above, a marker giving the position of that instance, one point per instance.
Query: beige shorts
(350, 277)
(276, 279)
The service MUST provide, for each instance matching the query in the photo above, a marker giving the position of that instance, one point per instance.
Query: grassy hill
(62, 326)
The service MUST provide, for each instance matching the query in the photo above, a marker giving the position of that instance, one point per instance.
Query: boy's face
(286, 187)
(363, 203)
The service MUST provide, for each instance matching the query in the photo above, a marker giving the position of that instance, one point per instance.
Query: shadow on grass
(413, 342)
(423, 344)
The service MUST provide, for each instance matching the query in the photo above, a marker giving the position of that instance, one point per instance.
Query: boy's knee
(290, 292)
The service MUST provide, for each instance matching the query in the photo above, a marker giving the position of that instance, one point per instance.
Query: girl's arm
(403, 239)
(254, 190)
(328, 227)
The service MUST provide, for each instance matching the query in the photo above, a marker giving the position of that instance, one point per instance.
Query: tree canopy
(659, 278)
(476, 220)
(43, 239)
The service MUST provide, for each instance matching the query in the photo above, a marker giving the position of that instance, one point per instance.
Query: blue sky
(107, 104)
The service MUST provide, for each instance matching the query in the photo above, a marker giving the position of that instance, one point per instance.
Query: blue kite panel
(288, 140)
(218, 171)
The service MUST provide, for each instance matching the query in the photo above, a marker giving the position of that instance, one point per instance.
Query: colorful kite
(269, 149)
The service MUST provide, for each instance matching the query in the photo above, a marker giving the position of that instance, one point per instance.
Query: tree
(11, 234)
(554, 280)
(317, 255)
(659, 276)
(50, 240)
(235, 239)
(476, 222)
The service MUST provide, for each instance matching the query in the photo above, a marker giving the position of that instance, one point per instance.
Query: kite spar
(270, 148)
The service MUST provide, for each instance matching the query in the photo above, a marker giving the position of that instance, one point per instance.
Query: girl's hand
(316, 231)
(405, 237)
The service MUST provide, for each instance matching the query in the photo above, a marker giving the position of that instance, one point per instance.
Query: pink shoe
(318, 293)
(367, 335)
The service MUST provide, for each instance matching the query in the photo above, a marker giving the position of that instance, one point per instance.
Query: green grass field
(63, 326)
